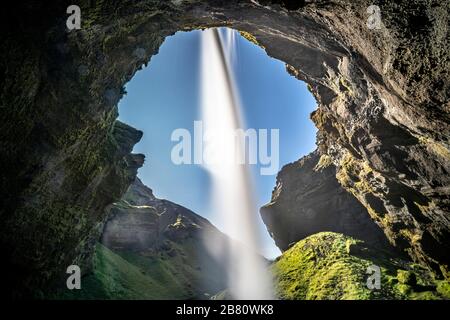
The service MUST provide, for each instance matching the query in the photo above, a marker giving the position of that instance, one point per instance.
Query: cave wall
(308, 199)
(383, 113)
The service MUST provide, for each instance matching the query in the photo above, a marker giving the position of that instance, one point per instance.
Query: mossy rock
(406, 277)
(250, 38)
(333, 266)
(443, 287)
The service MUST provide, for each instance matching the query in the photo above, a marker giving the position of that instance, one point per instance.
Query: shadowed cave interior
(379, 174)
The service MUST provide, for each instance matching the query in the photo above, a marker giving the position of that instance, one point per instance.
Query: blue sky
(165, 96)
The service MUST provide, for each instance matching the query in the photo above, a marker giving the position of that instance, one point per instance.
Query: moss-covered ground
(333, 266)
(115, 278)
(323, 266)
(132, 276)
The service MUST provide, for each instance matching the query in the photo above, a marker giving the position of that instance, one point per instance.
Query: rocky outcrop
(308, 199)
(142, 222)
(383, 113)
(153, 249)
(57, 221)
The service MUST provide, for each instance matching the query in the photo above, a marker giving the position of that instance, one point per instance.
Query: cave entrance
(166, 100)
(164, 96)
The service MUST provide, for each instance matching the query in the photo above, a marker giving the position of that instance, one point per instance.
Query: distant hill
(154, 249)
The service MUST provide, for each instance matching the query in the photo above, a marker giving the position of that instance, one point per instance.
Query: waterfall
(232, 190)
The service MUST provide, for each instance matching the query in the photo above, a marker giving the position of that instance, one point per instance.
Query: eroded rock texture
(308, 199)
(383, 113)
(142, 222)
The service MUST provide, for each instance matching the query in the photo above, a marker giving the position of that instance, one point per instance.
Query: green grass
(116, 278)
(125, 275)
(333, 266)
(178, 274)
(323, 266)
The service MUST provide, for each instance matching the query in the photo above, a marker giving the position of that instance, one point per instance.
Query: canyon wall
(309, 199)
(383, 114)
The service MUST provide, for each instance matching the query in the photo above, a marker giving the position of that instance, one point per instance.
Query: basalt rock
(383, 113)
(308, 199)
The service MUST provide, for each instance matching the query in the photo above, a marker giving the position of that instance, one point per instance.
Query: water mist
(232, 190)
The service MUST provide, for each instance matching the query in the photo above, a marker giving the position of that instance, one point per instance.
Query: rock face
(158, 243)
(383, 114)
(308, 199)
(142, 222)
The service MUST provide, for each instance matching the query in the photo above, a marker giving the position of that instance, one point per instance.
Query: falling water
(233, 198)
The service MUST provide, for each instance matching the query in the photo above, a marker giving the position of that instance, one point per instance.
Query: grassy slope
(333, 266)
(323, 266)
(177, 266)
(130, 276)
(181, 273)
(116, 278)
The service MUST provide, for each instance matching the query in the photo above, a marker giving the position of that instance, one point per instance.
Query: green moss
(426, 295)
(445, 271)
(443, 287)
(435, 147)
(127, 275)
(404, 288)
(411, 235)
(406, 277)
(345, 84)
(341, 86)
(250, 38)
(347, 167)
(355, 174)
(320, 267)
(357, 177)
(115, 278)
(324, 162)
(333, 266)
